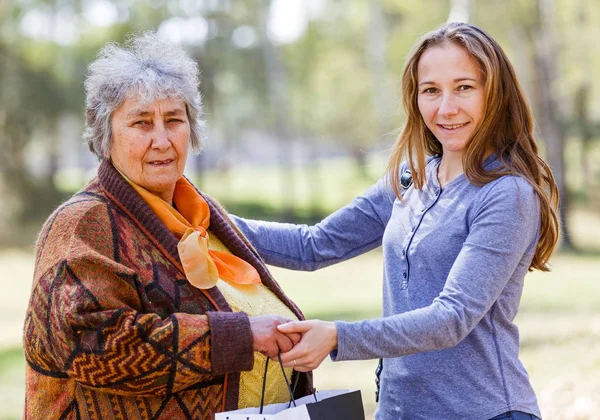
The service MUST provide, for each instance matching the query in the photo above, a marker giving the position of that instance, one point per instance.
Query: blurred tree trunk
(377, 60)
(548, 115)
(377, 63)
(305, 128)
(582, 100)
(585, 132)
(28, 197)
(219, 98)
(460, 11)
(279, 103)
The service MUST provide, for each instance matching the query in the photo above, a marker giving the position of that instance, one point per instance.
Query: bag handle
(287, 383)
(310, 382)
(377, 378)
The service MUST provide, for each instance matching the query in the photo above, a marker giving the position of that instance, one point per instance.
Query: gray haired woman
(147, 301)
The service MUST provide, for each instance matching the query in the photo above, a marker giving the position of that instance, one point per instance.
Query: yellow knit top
(256, 299)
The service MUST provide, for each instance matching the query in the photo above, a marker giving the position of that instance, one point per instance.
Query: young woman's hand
(319, 338)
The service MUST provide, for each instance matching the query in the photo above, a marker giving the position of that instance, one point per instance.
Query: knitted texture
(114, 329)
(256, 299)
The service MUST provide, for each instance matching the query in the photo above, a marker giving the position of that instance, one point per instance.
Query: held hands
(303, 344)
(267, 339)
(319, 338)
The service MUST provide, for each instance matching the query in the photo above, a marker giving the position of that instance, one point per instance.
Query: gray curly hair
(148, 68)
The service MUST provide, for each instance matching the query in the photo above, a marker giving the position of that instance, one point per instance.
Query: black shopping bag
(324, 405)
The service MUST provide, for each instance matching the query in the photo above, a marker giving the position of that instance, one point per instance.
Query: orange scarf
(203, 267)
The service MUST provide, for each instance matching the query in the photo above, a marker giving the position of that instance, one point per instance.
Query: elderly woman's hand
(267, 339)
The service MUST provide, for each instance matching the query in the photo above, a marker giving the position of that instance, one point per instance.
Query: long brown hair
(506, 128)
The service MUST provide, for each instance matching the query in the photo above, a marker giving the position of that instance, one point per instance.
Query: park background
(302, 101)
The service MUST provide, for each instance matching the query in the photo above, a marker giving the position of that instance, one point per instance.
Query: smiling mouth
(452, 126)
(160, 162)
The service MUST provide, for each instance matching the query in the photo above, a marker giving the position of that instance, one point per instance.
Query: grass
(573, 285)
(16, 272)
(12, 389)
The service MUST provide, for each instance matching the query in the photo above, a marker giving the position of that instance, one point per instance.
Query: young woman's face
(451, 95)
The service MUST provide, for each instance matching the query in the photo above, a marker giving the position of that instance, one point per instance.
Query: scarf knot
(203, 233)
(190, 222)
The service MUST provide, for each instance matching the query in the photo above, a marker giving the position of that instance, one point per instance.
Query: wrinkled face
(451, 95)
(150, 143)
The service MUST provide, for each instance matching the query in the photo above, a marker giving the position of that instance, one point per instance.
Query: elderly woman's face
(150, 143)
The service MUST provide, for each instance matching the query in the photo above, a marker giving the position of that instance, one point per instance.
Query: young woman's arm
(348, 232)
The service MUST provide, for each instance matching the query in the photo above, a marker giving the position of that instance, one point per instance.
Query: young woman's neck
(450, 167)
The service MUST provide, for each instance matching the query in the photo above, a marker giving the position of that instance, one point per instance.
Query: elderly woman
(147, 301)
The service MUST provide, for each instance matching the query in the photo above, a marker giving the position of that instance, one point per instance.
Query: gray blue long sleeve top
(454, 263)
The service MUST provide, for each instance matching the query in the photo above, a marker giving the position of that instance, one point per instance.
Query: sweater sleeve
(502, 239)
(348, 232)
(86, 320)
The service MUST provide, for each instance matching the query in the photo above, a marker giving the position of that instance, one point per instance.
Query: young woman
(466, 208)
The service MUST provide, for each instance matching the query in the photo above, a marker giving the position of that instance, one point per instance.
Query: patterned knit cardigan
(115, 331)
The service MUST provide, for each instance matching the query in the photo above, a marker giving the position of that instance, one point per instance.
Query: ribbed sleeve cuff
(342, 332)
(231, 342)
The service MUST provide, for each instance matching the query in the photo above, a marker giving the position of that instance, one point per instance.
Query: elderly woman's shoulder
(86, 206)
(74, 230)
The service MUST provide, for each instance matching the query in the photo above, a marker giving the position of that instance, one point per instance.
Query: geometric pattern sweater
(115, 331)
